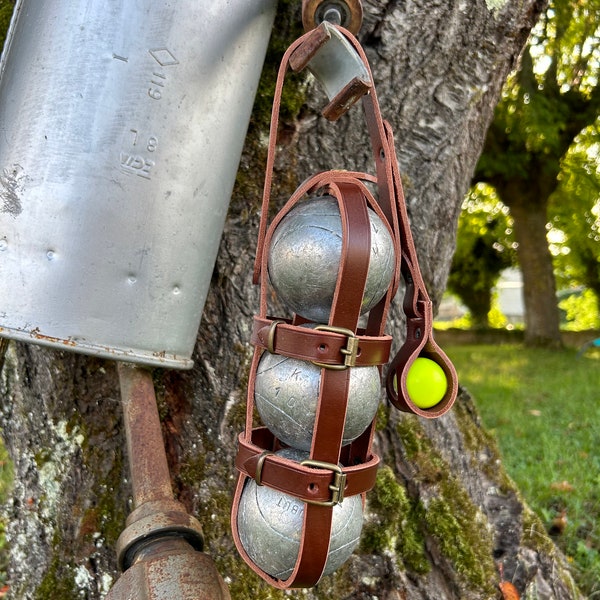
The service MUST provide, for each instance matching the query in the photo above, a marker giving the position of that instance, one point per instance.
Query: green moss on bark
(59, 580)
(6, 11)
(395, 525)
(481, 444)
(450, 519)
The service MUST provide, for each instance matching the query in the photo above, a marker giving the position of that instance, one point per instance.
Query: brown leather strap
(289, 339)
(419, 318)
(328, 347)
(296, 479)
(333, 395)
(417, 306)
(257, 460)
(320, 346)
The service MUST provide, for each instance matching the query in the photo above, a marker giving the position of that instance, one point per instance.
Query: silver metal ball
(270, 526)
(286, 394)
(305, 254)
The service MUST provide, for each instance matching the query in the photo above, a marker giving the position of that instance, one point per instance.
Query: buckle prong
(336, 488)
(350, 352)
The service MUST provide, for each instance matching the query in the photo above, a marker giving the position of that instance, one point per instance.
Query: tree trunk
(443, 513)
(542, 321)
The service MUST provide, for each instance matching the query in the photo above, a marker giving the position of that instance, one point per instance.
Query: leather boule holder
(341, 344)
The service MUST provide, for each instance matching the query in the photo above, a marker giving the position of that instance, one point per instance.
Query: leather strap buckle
(350, 352)
(337, 487)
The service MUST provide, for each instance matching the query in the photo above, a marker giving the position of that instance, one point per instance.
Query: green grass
(544, 408)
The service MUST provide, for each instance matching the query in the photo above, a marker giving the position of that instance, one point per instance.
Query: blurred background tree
(541, 157)
(485, 248)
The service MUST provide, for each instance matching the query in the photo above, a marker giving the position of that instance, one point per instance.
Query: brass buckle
(337, 487)
(350, 352)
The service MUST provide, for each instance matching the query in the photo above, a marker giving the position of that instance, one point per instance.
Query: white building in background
(510, 295)
(509, 290)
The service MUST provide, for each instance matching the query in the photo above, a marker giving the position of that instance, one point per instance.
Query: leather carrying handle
(417, 306)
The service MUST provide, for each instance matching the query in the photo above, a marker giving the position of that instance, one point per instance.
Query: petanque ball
(304, 259)
(286, 394)
(270, 526)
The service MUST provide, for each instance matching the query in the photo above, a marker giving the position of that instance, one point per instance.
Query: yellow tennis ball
(426, 383)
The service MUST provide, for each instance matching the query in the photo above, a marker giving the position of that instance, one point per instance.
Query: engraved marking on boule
(11, 185)
(286, 393)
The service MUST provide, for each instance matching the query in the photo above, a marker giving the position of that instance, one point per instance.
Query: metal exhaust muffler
(122, 127)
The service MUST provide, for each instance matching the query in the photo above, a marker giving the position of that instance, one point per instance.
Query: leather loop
(420, 343)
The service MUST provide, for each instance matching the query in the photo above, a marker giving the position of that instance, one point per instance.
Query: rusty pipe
(150, 478)
(159, 551)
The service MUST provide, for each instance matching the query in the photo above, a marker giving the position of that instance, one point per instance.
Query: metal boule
(286, 394)
(304, 259)
(270, 526)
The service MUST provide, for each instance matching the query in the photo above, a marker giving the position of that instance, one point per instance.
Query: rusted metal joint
(347, 13)
(160, 550)
(151, 524)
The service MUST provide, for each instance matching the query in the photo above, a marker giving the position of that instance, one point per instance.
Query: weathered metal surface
(347, 13)
(156, 514)
(159, 550)
(153, 522)
(171, 570)
(337, 66)
(122, 127)
(286, 393)
(150, 478)
(304, 259)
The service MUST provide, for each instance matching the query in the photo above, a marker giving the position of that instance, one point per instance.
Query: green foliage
(576, 214)
(550, 99)
(541, 406)
(485, 247)
(581, 311)
(6, 10)
(537, 151)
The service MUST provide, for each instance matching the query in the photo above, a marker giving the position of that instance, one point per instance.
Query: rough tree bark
(443, 513)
